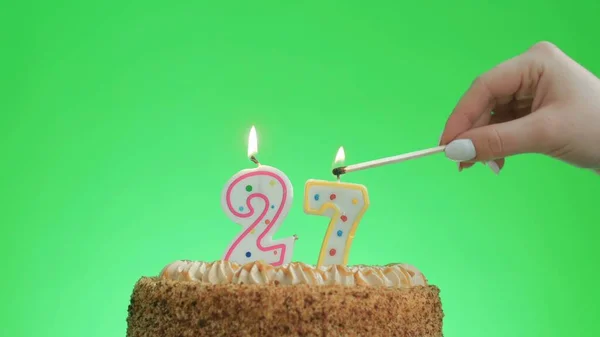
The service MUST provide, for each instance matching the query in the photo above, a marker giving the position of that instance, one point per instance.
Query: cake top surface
(398, 275)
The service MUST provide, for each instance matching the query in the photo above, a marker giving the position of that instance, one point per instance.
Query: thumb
(497, 141)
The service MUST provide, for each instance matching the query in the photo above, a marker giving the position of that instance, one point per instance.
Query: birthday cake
(224, 298)
(256, 289)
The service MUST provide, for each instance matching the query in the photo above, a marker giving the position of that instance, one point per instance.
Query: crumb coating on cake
(296, 273)
(162, 307)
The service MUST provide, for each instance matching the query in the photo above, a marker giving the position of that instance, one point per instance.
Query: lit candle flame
(340, 156)
(252, 143)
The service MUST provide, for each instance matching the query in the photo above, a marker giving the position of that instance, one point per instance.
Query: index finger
(497, 86)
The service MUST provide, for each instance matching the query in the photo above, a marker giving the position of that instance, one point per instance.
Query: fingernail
(460, 150)
(493, 166)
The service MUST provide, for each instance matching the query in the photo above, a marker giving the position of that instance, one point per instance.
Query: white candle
(258, 199)
(345, 204)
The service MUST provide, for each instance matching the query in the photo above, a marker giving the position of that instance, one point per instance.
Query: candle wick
(254, 160)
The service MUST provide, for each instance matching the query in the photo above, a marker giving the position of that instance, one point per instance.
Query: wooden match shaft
(388, 160)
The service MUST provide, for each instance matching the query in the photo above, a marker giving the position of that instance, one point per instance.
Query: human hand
(538, 102)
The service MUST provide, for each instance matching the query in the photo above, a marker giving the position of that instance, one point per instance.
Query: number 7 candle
(258, 199)
(345, 204)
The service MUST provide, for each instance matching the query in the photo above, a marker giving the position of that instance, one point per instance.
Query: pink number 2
(259, 200)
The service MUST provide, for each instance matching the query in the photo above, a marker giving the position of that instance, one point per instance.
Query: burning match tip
(338, 171)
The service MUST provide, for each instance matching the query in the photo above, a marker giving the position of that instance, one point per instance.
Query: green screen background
(122, 121)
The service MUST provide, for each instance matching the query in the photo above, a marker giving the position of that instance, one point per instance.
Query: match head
(338, 171)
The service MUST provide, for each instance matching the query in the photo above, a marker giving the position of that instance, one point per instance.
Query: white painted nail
(460, 150)
(493, 166)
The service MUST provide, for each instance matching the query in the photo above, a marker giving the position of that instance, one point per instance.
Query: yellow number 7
(345, 204)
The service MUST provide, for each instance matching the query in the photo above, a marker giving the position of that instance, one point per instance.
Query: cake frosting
(295, 273)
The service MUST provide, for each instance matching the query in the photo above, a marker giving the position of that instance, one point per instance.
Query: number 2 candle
(345, 204)
(258, 199)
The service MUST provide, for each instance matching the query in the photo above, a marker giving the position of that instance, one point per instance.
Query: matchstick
(389, 160)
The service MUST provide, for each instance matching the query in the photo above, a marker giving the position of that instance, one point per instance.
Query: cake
(224, 298)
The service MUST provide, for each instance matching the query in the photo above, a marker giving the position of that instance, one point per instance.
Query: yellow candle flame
(252, 143)
(340, 156)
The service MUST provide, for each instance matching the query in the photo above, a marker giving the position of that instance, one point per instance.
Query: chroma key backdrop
(123, 121)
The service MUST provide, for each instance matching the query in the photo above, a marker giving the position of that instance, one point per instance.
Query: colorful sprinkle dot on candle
(241, 208)
(267, 221)
(344, 218)
(340, 233)
(316, 197)
(272, 183)
(248, 254)
(252, 231)
(354, 201)
(332, 252)
(272, 206)
(249, 188)
(274, 252)
(332, 197)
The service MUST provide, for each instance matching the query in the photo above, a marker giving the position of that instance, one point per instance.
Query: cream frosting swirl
(225, 272)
